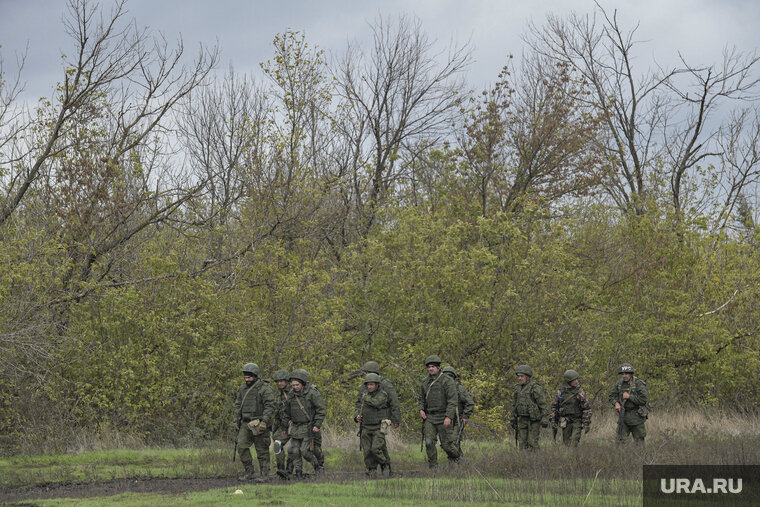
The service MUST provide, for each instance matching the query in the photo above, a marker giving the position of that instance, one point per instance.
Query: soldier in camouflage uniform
(631, 393)
(571, 410)
(282, 377)
(373, 410)
(388, 387)
(437, 402)
(254, 411)
(529, 409)
(304, 408)
(465, 408)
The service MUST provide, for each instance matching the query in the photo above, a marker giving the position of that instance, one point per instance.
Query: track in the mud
(173, 486)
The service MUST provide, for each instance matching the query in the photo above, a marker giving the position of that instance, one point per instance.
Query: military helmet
(524, 369)
(300, 375)
(251, 368)
(281, 375)
(371, 367)
(432, 360)
(625, 368)
(451, 370)
(570, 375)
(372, 377)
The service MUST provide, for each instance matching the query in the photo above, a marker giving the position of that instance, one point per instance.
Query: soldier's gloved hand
(586, 428)
(544, 424)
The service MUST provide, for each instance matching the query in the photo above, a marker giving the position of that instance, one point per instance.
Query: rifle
(555, 419)
(422, 433)
(459, 436)
(234, 451)
(621, 417)
(361, 421)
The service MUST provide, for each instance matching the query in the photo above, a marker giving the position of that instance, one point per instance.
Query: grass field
(493, 472)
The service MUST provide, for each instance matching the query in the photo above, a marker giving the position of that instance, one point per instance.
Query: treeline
(161, 226)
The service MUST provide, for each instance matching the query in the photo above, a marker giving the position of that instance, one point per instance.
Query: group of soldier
(292, 415)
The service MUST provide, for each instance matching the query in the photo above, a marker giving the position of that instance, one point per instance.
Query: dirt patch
(20, 496)
(113, 487)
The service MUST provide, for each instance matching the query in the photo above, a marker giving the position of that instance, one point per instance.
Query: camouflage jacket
(395, 408)
(572, 403)
(373, 406)
(438, 398)
(637, 405)
(279, 400)
(530, 401)
(254, 402)
(313, 408)
(466, 403)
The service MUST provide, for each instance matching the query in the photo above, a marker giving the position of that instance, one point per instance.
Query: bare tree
(139, 74)
(222, 128)
(92, 171)
(739, 144)
(656, 120)
(400, 91)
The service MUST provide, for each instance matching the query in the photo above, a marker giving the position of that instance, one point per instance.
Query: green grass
(422, 491)
(96, 466)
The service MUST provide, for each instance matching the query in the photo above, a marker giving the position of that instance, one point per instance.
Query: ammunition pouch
(385, 426)
(563, 422)
(643, 411)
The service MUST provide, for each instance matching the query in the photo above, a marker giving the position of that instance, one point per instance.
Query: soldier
(630, 394)
(571, 410)
(529, 408)
(254, 411)
(437, 403)
(465, 407)
(373, 409)
(388, 387)
(304, 408)
(283, 383)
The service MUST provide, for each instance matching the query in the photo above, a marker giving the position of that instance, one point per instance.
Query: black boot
(249, 474)
(282, 473)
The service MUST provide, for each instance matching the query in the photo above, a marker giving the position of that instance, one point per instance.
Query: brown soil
(23, 495)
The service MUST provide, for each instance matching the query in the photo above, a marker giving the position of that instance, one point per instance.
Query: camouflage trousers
(303, 448)
(280, 458)
(245, 440)
(638, 432)
(446, 435)
(571, 434)
(374, 447)
(318, 449)
(527, 433)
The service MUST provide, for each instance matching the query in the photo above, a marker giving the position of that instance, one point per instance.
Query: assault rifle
(422, 435)
(621, 418)
(459, 435)
(555, 420)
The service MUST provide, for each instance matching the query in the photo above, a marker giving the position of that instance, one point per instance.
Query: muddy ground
(26, 494)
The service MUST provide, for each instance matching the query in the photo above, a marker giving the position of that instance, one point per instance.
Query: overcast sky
(245, 29)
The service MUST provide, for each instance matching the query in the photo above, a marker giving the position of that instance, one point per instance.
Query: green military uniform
(374, 409)
(305, 410)
(387, 386)
(278, 428)
(438, 398)
(254, 402)
(465, 408)
(529, 410)
(571, 411)
(636, 406)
